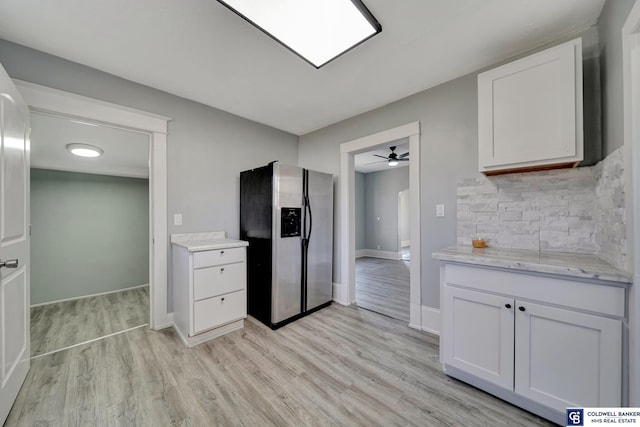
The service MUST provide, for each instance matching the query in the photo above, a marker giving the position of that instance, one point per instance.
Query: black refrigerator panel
(256, 207)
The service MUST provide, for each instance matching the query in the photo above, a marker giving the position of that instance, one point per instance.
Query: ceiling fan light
(393, 162)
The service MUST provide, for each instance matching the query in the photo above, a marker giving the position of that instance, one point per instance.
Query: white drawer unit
(209, 287)
(544, 343)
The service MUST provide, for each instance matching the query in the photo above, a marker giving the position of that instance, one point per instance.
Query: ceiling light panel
(317, 30)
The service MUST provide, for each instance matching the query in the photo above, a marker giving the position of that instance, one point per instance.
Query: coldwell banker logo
(574, 417)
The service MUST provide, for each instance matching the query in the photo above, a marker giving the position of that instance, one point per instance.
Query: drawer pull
(508, 305)
(222, 299)
(221, 253)
(521, 308)
(222, 270)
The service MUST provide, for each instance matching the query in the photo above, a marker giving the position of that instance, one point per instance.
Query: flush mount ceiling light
(84, 150)
(316, 30)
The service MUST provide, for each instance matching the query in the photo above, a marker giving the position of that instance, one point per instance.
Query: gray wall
(613, 16)
(90, 234)
(361, 220)
(207, 148)
(448, 116)
(382, 190)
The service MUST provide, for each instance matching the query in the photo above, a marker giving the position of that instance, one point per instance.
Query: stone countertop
(210, 244)
(565, 264)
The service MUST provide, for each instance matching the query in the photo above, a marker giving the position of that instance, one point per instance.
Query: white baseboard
(338, 294)
(209, 335)
(164, 323)
(431, 320)
(405, 243)
(89, 296)
(360, 253)
(373, 253)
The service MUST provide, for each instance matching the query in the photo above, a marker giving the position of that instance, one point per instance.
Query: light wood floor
(341, 366)
(382, 285)
(56, 326)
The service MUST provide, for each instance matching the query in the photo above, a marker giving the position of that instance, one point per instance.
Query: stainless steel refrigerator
(286, 215)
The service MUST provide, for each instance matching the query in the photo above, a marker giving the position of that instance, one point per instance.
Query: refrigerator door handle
(308, 207)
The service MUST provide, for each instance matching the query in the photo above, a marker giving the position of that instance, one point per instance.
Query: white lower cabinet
(485, 351)
(565, 358)
(209, 289)
(520, 344)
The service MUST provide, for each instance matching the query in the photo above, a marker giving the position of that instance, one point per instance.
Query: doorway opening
(382, 276)
(46, 100)
(89, 233)
(346, 290)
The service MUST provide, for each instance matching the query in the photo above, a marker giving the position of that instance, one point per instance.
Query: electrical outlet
(177, 219)
(439, 210)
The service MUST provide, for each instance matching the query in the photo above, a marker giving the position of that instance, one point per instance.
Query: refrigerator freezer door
(287, 251)
(320, 254)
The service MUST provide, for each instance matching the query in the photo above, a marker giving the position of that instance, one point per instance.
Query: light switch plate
(439, 210)
(177, 219)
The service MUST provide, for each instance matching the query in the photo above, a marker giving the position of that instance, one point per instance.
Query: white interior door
(14, 242)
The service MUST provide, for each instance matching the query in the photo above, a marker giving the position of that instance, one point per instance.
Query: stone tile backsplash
(568, 210)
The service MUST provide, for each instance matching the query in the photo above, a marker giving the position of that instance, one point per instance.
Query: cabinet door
(530, 111)
(478, 334)
(567, 359)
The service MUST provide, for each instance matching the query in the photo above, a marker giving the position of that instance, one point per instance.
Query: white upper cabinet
(530, 112)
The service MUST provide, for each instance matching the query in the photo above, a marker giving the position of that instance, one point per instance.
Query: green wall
(89, 234)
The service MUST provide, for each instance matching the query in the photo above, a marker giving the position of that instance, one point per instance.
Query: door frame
(631, 94)
(54, 101)
(345, 292)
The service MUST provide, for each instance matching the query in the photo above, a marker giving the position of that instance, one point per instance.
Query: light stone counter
(565, 264)
(195, 242)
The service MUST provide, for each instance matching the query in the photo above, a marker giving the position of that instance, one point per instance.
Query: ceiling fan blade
(374, 163)
(403, 160)
(382, 157)
(403, 155)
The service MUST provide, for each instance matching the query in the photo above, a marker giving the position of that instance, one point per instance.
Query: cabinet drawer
(217, 311)
(222, 279)
(609, 300)
(219, 257)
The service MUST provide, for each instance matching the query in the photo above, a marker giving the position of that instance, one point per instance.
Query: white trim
(405, 243)
(374, 253)
(89, 296)
(431, 320)
(631, 94)
(169, 323)
(347, 212)
(45, 99)
(89, 341)
(337, 291)
(57, 101)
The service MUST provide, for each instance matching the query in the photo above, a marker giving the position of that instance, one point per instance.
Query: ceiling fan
(394, 158)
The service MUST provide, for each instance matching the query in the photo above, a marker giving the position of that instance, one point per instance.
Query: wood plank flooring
(341, 366)
(58, 325)
(382, 285)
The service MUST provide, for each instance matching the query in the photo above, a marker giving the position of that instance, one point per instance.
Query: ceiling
(126, 153)
(367, 162)
(200, 50)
